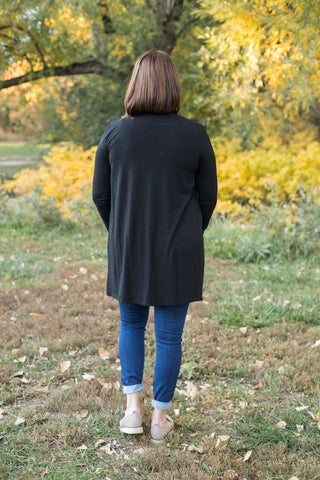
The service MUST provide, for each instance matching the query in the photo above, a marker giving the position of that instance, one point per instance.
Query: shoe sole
(132, 430)
(162, 440)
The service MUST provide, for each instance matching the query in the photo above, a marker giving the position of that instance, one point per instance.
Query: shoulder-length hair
(154, 86)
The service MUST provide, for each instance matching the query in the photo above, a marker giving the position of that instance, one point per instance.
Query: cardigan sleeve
(101, 188)
(206, 179)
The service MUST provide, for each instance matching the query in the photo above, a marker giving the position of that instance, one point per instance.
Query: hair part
(154, 86)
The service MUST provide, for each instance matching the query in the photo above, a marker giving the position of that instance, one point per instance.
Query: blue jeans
(168, 324)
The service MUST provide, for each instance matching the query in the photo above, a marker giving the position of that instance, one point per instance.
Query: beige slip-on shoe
(131, 423)
(160, 432)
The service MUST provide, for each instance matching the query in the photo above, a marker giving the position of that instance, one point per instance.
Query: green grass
(247, 380)
(17, 155)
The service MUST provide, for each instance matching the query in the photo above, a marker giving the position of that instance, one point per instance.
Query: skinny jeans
(168, 324)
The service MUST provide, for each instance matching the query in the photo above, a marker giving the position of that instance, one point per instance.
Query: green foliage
(287, 232)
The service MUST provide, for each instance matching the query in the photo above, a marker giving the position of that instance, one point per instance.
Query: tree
(61, 38)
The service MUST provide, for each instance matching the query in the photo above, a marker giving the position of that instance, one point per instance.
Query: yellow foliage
(247, 179)
(66, 176)
(271, 172)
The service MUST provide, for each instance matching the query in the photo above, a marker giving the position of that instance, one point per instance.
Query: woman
(155, 188)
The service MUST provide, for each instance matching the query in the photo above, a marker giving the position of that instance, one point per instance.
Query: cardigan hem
(150, 303)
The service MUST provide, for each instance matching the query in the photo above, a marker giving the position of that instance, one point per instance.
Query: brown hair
(154, 86)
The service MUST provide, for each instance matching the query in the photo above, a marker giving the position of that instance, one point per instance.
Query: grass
(250, 359)
(17, 155)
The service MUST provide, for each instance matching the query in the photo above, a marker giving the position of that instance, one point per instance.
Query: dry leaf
(176, 412)
(20, 373)
(44, 471)
(64, 365)
(299, 428)
(192, 448)
(22, 359)
(106, 449)
(82, 447)
(99, 442)
(303, 407)
(104, 354)
(296, 305)
(293, 478)
(281, 424)
(34, 314)
(83, 270)
(243, 329)
(247, 455)
(316, 344)
(191, 389)
(1, 412)
(24, 380)
(42, 350)
(19, 420)
(15, 352)
(65, 287)
(222, 441)
(73, 352)
(87, 376)
(116, 385)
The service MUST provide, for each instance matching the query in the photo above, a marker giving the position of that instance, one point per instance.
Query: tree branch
(39, 50)
(88, 67)
(186, 25)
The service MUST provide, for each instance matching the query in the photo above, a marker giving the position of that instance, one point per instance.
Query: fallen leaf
(281, 424)
(303, 407)
(104, 354)
(222, 441)
(65, 287)
(299, 428)
(106, 449)
(34, 314)
(87, 376)
(116, 385)
(83, 270)
(15, 352)
(44, 471)
(82, 447)
(176, 412)
(316, 344)
(191, 389)
(19, 420)
(22, 359)
(18, 374)
(82, 414)
(296, 305)
(99, 442)
(73, 352)
(64, 365)
(192, 448)
(42, 350)
(24, 380)
(247, 455)
(243, 329)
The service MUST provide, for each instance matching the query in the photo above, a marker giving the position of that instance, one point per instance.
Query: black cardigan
(155, 187)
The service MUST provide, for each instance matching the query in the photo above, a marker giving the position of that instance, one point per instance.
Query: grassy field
(17, 155)
(247, 404)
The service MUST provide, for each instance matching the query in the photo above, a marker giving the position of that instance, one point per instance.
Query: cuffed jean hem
(161, 405)
(132, 388)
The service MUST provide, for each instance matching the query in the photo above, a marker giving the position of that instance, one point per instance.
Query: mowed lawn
(247, 404)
